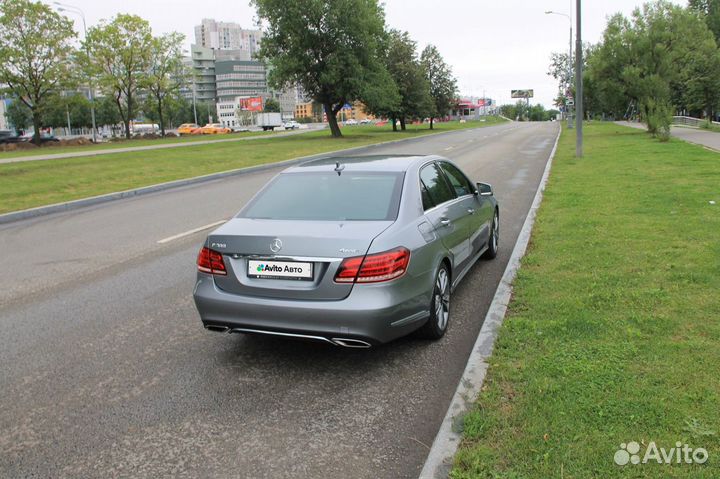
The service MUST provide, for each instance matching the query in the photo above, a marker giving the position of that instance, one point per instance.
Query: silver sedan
(351, 251)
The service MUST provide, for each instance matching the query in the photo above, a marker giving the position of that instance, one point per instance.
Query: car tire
(439, 319)
(494, 239)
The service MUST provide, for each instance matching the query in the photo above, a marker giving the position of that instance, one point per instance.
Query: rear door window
(434, 182)
(458, 180)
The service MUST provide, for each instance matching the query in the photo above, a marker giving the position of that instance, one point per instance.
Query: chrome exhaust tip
(351, 343)
(216, 328)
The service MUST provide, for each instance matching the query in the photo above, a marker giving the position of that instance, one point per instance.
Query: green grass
(51, 149)
(710, 126)
(613, 331)
(36, 183)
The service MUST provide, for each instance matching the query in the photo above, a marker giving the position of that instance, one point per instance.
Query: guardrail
(690, 121)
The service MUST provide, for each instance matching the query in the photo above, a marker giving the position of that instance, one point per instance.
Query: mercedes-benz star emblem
(276, 245)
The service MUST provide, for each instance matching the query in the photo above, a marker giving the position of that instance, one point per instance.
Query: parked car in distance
(215, 129)
(187, 129)
(365, 121)
(351, 122)
(291, 125)
(44, 138)
(349, 251)
(8, 136)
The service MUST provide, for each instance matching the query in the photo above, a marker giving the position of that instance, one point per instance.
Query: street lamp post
(579, 113)
(570, 60)
(78, 11)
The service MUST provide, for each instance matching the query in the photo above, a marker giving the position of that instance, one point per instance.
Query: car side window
(426, 200)
(458, 180)
(435, 184)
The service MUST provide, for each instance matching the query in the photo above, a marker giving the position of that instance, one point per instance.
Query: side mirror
(484, 189)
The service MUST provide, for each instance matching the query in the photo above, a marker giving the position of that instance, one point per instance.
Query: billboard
(254, 103)
(521, 93)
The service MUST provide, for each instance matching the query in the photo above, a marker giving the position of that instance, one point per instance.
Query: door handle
(471, 211)
(445, 222)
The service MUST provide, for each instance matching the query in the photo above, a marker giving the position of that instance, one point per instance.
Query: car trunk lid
(249, 244)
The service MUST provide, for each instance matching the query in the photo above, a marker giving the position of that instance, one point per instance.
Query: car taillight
(210, 261)
(374, 268)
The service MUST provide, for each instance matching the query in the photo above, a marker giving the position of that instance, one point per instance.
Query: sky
(493, 46)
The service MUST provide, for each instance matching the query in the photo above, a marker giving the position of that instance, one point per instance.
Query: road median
(609, 345)
(31, 189)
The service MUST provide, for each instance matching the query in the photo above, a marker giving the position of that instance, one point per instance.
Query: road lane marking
(449, 148)
(190, 232)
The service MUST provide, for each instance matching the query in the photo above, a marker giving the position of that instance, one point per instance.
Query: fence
(690, 121)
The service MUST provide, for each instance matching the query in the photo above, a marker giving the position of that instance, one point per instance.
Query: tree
(710, 10)
(176, 110)
(409, 76)
(35, 54)
(76, 105)
(271, 106)
(106, 111)
(119, 55)
(519, 111)
(19, 115)
(167, 72)
(663, 58)
(443, 85)
(702, 79)
(330, 48)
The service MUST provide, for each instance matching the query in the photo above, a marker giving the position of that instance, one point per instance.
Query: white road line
(449, 148)
(190, 232)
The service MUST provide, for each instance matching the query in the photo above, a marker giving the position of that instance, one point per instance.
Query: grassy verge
(36, 183)
(51, 149)
(613, 331)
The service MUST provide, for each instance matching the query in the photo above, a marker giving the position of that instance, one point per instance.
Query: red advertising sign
(254, 103)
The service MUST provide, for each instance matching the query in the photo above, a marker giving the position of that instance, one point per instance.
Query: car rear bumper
(373, 313)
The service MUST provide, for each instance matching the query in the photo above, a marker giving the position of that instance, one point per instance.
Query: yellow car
(214, 129)
(187, 129)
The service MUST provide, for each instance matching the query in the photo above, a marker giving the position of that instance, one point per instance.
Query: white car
(291, 125)
(351, 122)
(365, 121)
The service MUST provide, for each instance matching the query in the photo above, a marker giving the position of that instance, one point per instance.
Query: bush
(658, 118)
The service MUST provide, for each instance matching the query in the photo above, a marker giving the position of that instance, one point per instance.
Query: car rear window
(327, 196)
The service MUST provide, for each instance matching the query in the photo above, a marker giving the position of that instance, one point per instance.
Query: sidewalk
(706, 138)
(77, 154)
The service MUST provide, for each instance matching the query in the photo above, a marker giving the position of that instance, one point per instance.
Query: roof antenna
(339, 167)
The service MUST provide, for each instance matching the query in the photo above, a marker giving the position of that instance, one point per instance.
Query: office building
(227, 36)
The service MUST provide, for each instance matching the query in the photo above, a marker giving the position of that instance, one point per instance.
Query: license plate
(280, 270)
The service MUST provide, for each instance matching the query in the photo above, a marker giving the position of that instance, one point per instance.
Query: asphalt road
(107, 372)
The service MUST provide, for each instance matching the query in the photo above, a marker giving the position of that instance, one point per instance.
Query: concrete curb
(96, 200)
(440, 459)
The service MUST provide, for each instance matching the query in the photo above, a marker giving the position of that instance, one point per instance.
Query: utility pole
(579, 113)
(78, 11)
(570, 69)
(67, 112)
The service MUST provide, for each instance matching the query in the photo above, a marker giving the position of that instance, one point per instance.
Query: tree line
(121, 57)
(339, 51)
(660, 61)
